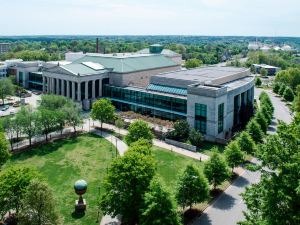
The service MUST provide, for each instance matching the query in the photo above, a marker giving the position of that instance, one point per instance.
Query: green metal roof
(167, 89)
(130, 63)
(78, 68)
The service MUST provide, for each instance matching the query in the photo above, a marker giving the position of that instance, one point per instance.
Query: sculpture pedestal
(80, 205)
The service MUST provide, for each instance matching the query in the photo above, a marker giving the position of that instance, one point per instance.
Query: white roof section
(93, 65)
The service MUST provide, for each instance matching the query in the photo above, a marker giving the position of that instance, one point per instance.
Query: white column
(52, 85)
(62, 87)
(44, 84)
(79, 91)
(86, 88)
(57, 86)
(68, 89)
(93, 89)
(73, 91)
(100, 88)
(48, 85)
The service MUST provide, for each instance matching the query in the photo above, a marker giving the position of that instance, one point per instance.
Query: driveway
(228, 208)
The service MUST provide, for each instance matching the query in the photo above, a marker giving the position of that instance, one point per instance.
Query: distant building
(159, 49)
(254, 46)
(286, 48)
(4, 47)
(3, 70)
(272, 70)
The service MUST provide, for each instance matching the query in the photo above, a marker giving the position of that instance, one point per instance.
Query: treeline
(54, 114)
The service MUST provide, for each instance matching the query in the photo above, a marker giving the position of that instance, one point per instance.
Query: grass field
(87, 157)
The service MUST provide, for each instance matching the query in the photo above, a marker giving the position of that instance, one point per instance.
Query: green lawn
(64, 162)
(207, 147)
(87, 157)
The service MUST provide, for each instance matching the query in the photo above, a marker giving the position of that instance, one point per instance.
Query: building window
(221, 118)
(200, 117)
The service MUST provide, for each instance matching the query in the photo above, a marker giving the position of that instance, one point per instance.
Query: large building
(214, 100)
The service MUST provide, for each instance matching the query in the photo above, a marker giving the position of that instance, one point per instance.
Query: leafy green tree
(216, 169)
(181, 131)
(119, 123)
(275, 199)
(29, 122)
(103, 110)
(4, 151)
(262, 121)
(297, 99)
(6, 88)
(267, 113)
(72, 115)
(276, 87)
(196, 138)
(258, 82)
(13, 183)
(126, 183)
(233, 154)
(263, 72)
(142, 146)
(53, 102)
(193, 63)
(137, 130)
(158, 206)
(255, 131)
(282, 89)
(7, 125)
(47, 120)
(246, 143)
(192, 187)
(288, 94)
(38, 205)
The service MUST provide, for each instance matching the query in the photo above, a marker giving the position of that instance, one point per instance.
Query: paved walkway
(228, 208)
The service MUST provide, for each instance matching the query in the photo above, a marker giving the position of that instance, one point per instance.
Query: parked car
(6, 107)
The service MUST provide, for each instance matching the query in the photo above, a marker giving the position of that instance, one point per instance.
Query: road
(228, 208)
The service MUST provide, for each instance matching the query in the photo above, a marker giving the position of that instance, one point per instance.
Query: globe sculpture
(80, 188)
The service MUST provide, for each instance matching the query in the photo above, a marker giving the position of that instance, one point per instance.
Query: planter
(181, 145)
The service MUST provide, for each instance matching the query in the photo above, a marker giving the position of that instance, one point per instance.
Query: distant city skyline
(141, 17)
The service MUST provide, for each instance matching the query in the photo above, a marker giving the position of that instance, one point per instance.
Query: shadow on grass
(46, 148)
(78, 215)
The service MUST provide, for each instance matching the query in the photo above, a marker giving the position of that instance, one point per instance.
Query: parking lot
(13, 104)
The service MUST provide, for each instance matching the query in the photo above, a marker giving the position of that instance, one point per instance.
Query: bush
(196, 138)
(282, 89)
(258, 82)
(181, 131)
(262, 121)
(288, 94)
(276, 87)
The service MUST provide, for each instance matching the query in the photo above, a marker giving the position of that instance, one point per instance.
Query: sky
(150, 17)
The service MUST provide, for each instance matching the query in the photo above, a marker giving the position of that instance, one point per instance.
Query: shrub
(282, 89)
(262, 121)
(288, 94)
(258, 82)
(196, 138)
(181, 131)
(276, 87)
(255, 131)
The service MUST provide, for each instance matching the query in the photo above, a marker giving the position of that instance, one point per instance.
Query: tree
(216, 169)
(13, 183)
(6, 88)
(233, 154)
(282, 89)
(4, 152)
(196, 138)
(137, 130)
(262, 121)
(103, 110)
(275, 199)
(288, 94)
(276, 87)
(72, 113)
(263, 72)
(127, 181)
(255, 131)
(181, 131)
(8, 127)
(119, 123)
(142, 146)
(38, 205)
(192, 187)
(258, 82)
(28, 122)
(193, 63)
(53, 102)
(158, 206)
(246, 143)
(47, 120)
